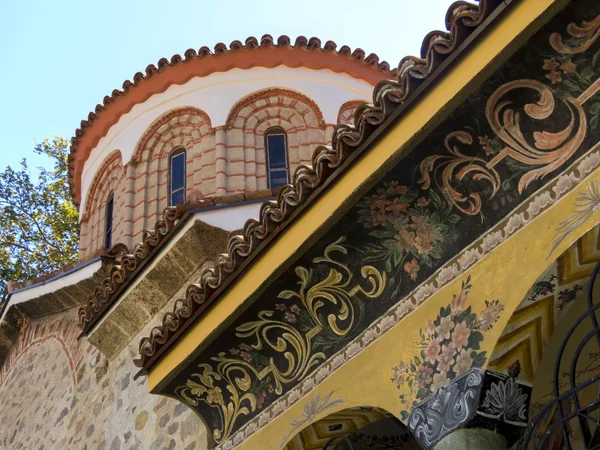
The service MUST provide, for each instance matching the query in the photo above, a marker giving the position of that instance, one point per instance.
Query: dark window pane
(108, 222)
(278, 178)
(276, 147)
(177, 171)
(178, 197)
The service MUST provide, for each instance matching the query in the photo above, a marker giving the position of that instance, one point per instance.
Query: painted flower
(460, 336)
(554, 76)
(458, 302)
(378, 202)
(400, 372)
(399, 222)
(234, 351)
(379, 218)
(439, 380)
(445, 327)
(406, 239)
(550, 64)
(432, 351)
(295, 309)
(422, 201)
(429, 329)
(424, 230)
(397, 206)
(395, 189)
(412, 268)
(261, 399)
(446, 359)
(246, 357)
(490, 315)
(463, 362)
(215, 396)
(280, 307)
(245, 347)
(424, 376)
(486, 144)
(291, 318)
(568, 67)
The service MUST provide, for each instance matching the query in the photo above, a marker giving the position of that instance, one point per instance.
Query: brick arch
(108, 178)
(162, 130)
(244, 107)
(186, 127)
(62, 330)
(112, 162)
(346, 112)
(248, 120)
(275, 112)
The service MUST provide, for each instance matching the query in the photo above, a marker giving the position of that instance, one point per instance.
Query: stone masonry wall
(60, 393)
(222, 160)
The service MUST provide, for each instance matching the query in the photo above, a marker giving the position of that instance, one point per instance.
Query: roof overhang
(179, 260)
(58, 293)
(459, 76)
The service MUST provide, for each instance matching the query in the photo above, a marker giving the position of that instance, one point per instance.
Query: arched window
(177, 177)
(277, 161)
(108, 221)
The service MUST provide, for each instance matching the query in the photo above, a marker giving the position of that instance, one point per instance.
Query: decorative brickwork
(247, 123)
(347, 110)
(62, 330)
(187, 128)
(220, 161)
(107, 179)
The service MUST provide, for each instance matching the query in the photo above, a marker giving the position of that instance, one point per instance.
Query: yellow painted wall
(365, 380)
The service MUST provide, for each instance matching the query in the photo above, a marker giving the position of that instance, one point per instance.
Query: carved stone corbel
(479, 399)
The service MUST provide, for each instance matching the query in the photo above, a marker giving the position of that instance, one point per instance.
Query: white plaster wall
(216, 94)
(231, 218)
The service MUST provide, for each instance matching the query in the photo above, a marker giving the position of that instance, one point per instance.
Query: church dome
(238, 119)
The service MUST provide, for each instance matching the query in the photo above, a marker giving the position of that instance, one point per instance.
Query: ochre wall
(60, 393)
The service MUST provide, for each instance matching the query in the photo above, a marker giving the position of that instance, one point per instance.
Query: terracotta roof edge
(251, 42)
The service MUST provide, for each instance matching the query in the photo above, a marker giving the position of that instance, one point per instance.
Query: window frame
(108, 220)
(275, 131)
(175, 153)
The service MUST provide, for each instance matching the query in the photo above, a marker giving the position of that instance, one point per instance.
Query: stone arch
(63, 331)
(364, 424)
(347, 110)
(298, 115)
(186, 127)
(108, 178)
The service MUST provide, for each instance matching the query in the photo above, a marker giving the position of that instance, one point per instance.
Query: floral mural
(449, 346)
(536, 116)
(411, 228)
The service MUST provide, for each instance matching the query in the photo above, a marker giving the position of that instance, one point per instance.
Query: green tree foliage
(39, 224)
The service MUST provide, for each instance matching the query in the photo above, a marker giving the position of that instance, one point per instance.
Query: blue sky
(60, 58)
